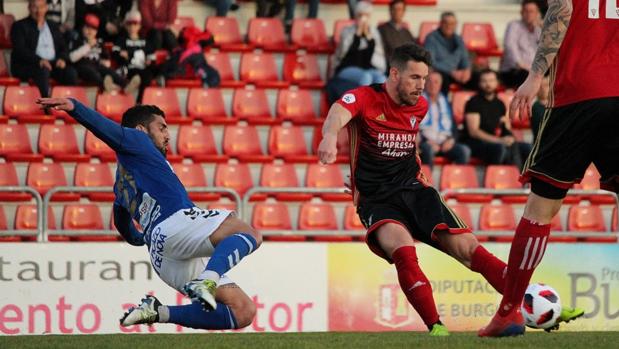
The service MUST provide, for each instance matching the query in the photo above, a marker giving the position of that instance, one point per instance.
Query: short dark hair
(140, 115)
(447, 14)
(526, 2)
(392, 3)
(487, 71)
(409, 52)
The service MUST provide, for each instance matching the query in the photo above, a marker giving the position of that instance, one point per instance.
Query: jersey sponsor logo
(149, 211)
(612, 9)
(396, 145)
(349, 98)
(158, 240)
(381, 117)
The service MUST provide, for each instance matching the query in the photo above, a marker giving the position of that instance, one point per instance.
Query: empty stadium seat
(59, 142)
(114, 104)
(19, 101)
(94, 175)
(5, 77)
(267, 33)
(614, 221)
(183, 22)
(26, 217)
(497, 217)
(197, 142)
(271, 216)
(221, 62)
(243, 142)
(458, 102)
(226, 33)
(276, 175)
(351, 219)
(317, 216)
(236, 176)
(462, 177)
(504, 177)
(42, 177)
(259, 68)
(302, 70)
(480, 38)
(585, 219)
(326, 176)
(15, 143)
(425, 28)
(296, 106)
(288, 142)
(207, 104)
(427, 172)
(310, 34)
(338, 26)
(165, 98)
(3, 221)
(555, 223)
(591, 181)
(77, 92)
(192, 175)
(8, 177)
(82, 217)
(252, 105)
(6, 22)
(95, 147)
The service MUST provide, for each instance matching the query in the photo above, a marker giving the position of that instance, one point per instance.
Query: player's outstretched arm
(556, 22)
(337, 118)
(105, 129)
(124, 225)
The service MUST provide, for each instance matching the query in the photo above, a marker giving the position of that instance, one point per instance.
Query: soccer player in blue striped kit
(191, 249)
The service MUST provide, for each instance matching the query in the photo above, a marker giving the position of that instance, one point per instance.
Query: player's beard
(163, 149)
(406, 98)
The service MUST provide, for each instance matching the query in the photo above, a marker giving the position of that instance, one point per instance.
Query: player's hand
(56, 103)
(327, 149)
(524, 96)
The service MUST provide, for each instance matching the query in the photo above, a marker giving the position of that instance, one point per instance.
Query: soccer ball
(541, 306)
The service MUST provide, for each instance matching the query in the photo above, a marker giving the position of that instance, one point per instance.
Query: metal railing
(39, 202)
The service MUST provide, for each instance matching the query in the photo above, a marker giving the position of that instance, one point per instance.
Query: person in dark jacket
(39, 51)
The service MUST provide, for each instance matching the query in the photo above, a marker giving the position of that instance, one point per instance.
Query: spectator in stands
(271, 8)
(487, 130)
(62, 12)
(135, 54)
(39, 50)
(360, 58)
(352, 4)
(158, 16)
(539, 107)
(521, 39)
(92, 63)
(395, 32)
(438, 129)
(449, 55)
(111, 13)
(222, 6)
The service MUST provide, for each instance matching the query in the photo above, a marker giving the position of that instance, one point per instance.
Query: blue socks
(227, 254)
(193, 315)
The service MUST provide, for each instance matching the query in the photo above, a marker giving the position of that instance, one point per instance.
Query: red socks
(526, 252)
(490, 267)
(415, 285)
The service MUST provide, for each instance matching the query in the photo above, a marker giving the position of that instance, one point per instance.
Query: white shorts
(180, 247)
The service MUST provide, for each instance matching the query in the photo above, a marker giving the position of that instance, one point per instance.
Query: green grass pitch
(384, 340)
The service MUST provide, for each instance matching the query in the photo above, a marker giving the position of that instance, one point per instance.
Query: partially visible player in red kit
(394, 201)
(580, 45)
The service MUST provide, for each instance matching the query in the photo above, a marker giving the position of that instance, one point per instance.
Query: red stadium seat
(95, 147)
(497, 217)
(3, 221)
(221, 62)
(302, 70)
(82, 217)
(8, 177)
(267, 33)
(504, 177)
(480, 38)
(555, 223)
(427, 172)
(458, 102)
(234, 176)
(165, 98)
(183, 22)
(259, 68)
(226, 33)
(252, 105)
(585, 219)
(317, 216)
(614, 221)
(15, 143)
(207, 104)
(77, 92)
(296, 106)
(338, 26)
(42, 177)
(114, 104)
(26, 218)
(310, 34)
(271, 216)
(464, 213)
(19, 101)
(5, 77)
(95, 175)
(425, 28)
(351, 219)
(59, 142)
(326, 176)
(6, 22)
(197, 142)
(281, 176)
(591, 181)
(192, 175)
(462, 177)
(288, 142)
(243, 142)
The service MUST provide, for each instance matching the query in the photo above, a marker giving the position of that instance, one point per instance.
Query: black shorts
(422, 212)
(570, 138)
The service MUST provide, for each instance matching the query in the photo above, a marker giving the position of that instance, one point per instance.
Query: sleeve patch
(349, 98)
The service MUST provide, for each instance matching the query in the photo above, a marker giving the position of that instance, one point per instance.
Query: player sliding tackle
(394, 201)
(191, 249)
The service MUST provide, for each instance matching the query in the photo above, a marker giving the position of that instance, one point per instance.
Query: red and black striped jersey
(382, 138)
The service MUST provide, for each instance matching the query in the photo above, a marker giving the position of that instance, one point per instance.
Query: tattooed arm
(555, 27)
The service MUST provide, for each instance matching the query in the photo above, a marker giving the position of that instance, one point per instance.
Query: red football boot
(504, 326)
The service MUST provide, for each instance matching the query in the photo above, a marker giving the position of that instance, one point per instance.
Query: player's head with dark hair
(488, 81)
(409, 66)
(448, 23)
(150, 120)
(530, 12)
(396, 10)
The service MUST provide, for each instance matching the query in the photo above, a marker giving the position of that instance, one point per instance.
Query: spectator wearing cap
(134, 53)
(360, 58)
(39, 51)
(90, 60)
(158, 16)
(395, 33)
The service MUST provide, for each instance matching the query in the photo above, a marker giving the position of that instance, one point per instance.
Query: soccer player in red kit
(394, 201)
(580, 45)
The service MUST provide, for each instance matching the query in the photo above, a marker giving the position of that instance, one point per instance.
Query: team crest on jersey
(381, 117)
(413, 122)
(349, 98)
